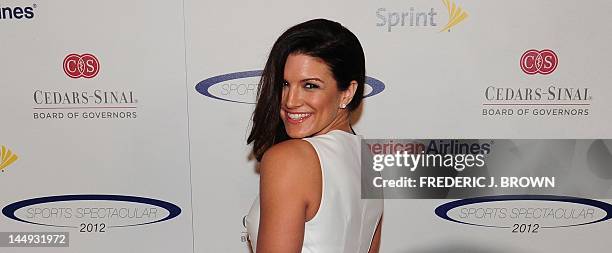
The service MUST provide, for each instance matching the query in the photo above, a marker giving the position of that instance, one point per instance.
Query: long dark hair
(338, 47)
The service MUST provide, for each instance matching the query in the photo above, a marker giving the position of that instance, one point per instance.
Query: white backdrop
(190, 149)
(435, 84)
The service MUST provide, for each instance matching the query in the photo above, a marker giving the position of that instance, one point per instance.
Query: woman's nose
(293, 97)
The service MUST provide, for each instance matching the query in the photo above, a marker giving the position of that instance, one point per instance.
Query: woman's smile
(310, 97)
(297, 117)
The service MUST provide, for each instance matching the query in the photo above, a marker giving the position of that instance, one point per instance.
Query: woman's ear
(347, 95)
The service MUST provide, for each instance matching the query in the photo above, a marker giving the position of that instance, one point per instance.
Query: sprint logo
(455, 15)
(416, 18)
(7, 157)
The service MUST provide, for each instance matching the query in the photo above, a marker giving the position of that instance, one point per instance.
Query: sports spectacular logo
(241, 87)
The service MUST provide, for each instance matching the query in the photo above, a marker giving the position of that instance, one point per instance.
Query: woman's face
(311, 99)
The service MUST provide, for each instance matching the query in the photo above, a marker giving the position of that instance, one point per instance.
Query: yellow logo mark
(455, 14)
(7, 157)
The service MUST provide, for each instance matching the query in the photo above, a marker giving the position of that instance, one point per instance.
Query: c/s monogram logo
(543, 62)
(85, 65)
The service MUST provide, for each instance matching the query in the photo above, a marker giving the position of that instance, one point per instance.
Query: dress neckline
(343, 132)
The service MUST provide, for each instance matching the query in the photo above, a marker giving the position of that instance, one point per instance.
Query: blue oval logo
(241, 87)
(442, 211)
(10, 210)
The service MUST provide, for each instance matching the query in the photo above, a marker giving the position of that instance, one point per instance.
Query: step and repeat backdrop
(124, 123)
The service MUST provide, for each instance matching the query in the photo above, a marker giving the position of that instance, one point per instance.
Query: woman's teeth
(297, 116)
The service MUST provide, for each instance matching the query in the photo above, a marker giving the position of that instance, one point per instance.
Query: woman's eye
(311, 86)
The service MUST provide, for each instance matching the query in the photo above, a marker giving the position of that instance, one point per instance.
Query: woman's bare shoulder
(294, 157)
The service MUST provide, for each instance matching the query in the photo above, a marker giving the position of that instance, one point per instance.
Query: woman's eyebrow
(311, 79)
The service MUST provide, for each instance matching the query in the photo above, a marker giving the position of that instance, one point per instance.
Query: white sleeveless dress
(344, 223)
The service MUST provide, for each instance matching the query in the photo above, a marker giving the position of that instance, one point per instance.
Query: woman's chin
(297, 133)
(296, 136)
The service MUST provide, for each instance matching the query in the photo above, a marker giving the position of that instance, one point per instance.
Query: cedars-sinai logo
(84, 65)
(241, 87)
(543, 62)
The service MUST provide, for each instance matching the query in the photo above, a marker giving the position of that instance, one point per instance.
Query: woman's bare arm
(284, 175)
(375, 245)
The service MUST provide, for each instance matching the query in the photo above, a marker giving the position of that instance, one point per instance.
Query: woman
(309, 199)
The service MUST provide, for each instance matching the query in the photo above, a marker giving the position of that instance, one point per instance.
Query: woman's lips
(297, 118)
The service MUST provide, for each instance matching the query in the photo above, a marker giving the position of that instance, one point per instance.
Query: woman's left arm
(284, 172)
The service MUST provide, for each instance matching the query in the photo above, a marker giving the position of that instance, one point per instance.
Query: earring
(342, 106)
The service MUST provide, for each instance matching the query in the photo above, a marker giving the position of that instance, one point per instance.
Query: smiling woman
(310, 199)
(310, 97)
